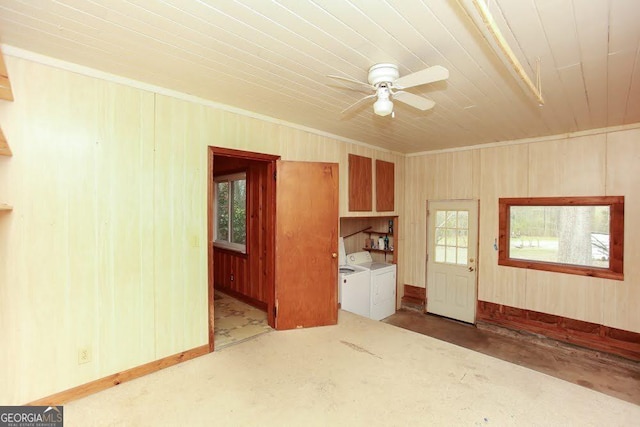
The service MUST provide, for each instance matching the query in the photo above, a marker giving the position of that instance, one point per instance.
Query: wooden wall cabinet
(360, 184)
(385, 186)
(361, 188)
(5, 93)
(4, 145)
(4, 151)
(5, 85)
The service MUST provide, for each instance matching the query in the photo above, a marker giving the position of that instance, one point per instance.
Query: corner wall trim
(577, 332)
(119, 378)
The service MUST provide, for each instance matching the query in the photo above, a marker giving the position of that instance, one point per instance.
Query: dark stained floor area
(598, 371)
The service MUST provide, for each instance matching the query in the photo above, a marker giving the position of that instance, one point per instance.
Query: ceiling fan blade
(347, 79)
(358, 102)
(414, 100)
(428, 75)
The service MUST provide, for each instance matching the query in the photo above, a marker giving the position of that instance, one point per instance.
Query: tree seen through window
(231, 211)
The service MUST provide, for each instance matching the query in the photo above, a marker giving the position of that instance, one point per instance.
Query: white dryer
(383, 284)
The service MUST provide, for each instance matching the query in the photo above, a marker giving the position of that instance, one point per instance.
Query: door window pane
(462, 256)
(452, 237)
(463, 238)
(463, 220)
(440, 251)
(451, 255)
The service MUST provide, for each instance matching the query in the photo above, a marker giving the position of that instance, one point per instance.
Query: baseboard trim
(119, 378)
(585, 334)
(414, 297)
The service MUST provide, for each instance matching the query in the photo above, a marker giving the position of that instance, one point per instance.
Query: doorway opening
(288, 267)
(241, 241)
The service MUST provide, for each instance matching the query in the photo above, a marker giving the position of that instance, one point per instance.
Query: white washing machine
(382, 298)
(354, 286)
(354, 289)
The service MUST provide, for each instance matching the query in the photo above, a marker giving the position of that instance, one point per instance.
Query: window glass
(239, 212)
(222, 211)
(577, 235)
(574, 235)
(231, 211)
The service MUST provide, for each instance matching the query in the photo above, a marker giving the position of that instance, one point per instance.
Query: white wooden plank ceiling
(272, 58)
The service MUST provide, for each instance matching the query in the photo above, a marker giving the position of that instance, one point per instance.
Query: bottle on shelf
(381, 243)
(386, 242)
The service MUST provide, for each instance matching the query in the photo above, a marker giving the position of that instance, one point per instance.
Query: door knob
(471, 268)
(334, 255)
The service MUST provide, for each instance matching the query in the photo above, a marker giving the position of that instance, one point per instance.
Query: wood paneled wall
(78, 266)
(602, 164)
(232, 272)
(106, 247)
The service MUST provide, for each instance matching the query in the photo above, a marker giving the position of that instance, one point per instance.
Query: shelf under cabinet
(386, 251)
(377, 232)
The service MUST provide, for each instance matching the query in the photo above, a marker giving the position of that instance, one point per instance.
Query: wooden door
(451, 265)
(306, 260)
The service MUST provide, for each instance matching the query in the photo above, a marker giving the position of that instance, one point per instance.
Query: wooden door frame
(270, 232)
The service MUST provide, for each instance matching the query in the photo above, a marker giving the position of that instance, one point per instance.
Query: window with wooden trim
(574, 235)
(231, 212)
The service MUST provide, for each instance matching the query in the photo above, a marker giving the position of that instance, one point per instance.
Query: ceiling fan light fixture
(383, 107)
(385, 81)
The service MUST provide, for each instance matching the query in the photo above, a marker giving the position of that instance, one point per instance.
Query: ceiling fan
(385, 81)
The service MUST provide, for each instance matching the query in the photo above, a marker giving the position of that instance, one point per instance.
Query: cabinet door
(385, 186)
(360, 184)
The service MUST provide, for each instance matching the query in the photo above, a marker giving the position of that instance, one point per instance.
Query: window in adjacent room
(575, 235)
(231, 211)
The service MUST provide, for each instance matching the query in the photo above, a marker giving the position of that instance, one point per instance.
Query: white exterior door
(452, 240)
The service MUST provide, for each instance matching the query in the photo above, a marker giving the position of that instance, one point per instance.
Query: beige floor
(358, 373)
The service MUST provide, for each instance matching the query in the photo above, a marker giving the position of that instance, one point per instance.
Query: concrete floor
(598, 371)
(357, 373)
